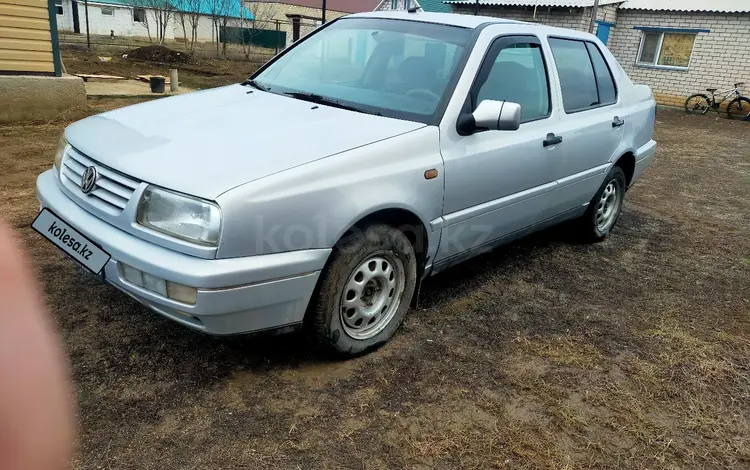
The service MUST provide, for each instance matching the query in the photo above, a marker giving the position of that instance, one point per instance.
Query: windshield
(389, 67)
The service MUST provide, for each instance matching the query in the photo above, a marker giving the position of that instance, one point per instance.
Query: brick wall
(720, 57)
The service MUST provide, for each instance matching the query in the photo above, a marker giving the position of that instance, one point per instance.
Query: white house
(124, 18)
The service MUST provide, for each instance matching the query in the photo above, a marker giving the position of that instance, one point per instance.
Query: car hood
(208, 142)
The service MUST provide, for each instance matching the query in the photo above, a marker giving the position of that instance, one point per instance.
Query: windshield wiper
(318, 99)
(254, 84)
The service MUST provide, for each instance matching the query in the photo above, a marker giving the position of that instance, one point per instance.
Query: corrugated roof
(725, 6)
(536, 3)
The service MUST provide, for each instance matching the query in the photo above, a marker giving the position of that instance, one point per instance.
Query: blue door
(602, 32)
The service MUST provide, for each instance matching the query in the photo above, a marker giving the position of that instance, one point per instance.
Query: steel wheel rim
(372, 296)
(607, 207)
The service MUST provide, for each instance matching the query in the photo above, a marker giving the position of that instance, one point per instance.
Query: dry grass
(634, 353)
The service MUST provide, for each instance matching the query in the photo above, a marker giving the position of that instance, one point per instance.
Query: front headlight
(62, 145)
(180, 216)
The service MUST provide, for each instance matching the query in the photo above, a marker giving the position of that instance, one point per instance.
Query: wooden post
(277, 36)
(323, 16)
(476, 7)
(173, 83)
(593, 16)
(88, 35)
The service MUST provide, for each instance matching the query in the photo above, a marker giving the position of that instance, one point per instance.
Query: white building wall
(65, 21)
(121, 22)
(720, 57)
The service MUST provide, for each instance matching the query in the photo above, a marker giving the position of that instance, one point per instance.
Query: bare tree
(255, 17)
(187, 14)
(139, 9)
(161, 12)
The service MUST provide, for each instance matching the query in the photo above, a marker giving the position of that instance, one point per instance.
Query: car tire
(603, 209)
(364, 291)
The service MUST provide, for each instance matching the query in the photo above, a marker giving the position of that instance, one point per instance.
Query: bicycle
(738, 108)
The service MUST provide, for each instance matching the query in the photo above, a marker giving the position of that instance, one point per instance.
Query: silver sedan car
(378, 150)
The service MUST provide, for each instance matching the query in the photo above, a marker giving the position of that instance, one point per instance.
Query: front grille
(113, 190)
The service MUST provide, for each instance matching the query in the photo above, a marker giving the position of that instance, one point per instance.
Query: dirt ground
(633, 353)
(200, 73)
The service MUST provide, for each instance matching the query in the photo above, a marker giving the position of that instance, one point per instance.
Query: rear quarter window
(585, 79)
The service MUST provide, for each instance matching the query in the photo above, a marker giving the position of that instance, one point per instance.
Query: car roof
(453, 19)
(471, 21)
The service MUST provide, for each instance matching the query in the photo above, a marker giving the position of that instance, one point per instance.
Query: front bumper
(235, 295)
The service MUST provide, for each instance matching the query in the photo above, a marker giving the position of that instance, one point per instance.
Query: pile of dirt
(162, 54)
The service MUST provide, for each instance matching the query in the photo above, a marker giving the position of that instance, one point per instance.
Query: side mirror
(492, 115)
(498, 115)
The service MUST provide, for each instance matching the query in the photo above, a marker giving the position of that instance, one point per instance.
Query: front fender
(313, 205)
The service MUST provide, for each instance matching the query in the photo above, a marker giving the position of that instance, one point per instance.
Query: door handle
(618, 122)
(552, 139)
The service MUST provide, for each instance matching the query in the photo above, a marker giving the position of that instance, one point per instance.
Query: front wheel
(365, 291)
(739, 108)
(697, 104)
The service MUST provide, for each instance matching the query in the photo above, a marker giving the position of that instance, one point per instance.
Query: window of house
(666, 49)
(108, 11)
(139, 15)
(576, 72)
(59, 7)
(519, 75)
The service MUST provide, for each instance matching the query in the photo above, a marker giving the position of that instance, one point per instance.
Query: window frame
(110, 9)
(593, 69)
(661, 32)
(493, 51)
(59, 10)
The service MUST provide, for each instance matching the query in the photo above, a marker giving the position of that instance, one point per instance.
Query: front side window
(518, 75)
(666, 49)
(395, 68)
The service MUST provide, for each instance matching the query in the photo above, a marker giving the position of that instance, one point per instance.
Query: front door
(498, 182)
(591, 126)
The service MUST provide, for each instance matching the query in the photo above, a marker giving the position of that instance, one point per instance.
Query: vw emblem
(88, 180)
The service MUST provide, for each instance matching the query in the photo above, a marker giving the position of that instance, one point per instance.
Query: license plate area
(69, 240)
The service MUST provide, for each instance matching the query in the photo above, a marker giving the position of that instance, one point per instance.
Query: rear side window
(577, 78)
(604, 81)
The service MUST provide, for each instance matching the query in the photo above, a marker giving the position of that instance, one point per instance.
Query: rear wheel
(603, 209)
(365, 291)
(739, 108)
(697, 104)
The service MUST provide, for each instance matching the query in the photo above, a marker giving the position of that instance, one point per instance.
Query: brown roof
(346, 6)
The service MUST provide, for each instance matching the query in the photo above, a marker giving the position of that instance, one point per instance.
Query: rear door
(590, 124)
